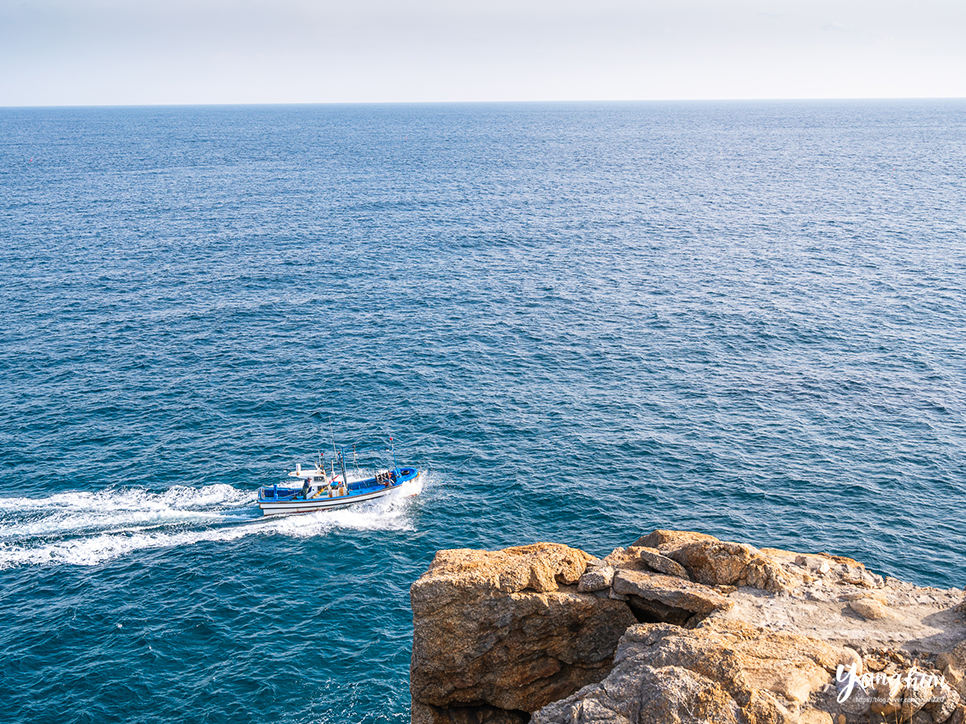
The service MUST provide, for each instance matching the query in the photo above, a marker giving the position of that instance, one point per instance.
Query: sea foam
(86, 529)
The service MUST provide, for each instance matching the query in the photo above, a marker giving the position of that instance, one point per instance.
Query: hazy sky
(68, 52)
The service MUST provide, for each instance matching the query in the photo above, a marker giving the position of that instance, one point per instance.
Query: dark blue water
(583, 321)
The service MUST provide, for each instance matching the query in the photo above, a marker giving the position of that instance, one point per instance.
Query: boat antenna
(332, 430)
(392, 447)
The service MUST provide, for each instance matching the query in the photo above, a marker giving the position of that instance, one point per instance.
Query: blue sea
(582, 321)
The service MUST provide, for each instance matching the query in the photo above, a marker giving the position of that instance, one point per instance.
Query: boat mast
(335, 454)
(345, 478)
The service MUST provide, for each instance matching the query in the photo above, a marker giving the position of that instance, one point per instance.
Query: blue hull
(275, 500)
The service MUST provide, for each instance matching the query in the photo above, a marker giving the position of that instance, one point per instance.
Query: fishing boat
(321, 490)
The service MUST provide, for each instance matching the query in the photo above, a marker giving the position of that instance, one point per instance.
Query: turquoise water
(583, 322)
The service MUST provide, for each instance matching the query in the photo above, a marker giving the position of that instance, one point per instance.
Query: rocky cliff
(680, 627)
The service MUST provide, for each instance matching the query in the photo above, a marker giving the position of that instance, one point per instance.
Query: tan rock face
(870, 609)
(760, 635)
(640, 558)
(596, 579)
(714, 562)
(538, 567)
(670, 591)
(660, 563)
(671, 539)
(724, 671)
(496, 630)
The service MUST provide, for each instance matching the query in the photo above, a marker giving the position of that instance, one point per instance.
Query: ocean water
(583, 321)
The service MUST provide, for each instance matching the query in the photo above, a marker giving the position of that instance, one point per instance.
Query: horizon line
(486, 102)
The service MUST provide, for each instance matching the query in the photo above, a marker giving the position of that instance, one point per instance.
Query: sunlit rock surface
(680, 627)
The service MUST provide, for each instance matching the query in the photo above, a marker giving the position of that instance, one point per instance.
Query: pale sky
(118, 52)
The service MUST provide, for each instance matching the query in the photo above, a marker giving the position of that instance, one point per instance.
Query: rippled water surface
(583, 321)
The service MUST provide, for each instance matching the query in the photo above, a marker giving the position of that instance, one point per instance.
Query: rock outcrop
(498, 635)
(680, 627)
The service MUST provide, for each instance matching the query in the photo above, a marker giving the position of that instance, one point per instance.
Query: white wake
(86, 529)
